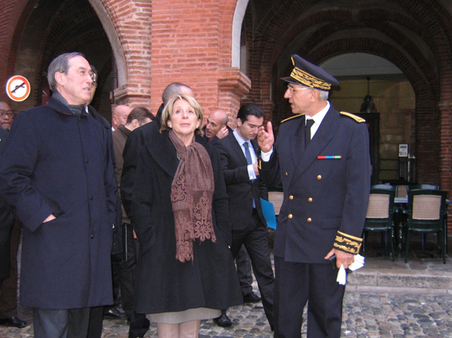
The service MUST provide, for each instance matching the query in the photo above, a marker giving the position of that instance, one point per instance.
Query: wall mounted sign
(18, 88)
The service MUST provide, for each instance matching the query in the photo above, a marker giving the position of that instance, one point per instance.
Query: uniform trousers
(255, 239)
(298, 283)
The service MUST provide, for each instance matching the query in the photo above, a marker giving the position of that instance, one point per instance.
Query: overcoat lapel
(321, 139)
(164, 153)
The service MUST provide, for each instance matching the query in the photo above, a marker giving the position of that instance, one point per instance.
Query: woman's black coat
(164, 284)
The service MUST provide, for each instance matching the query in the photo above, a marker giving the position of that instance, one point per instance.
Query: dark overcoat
(164, 284)
(326, 186)
(6, 224)
(57, 163)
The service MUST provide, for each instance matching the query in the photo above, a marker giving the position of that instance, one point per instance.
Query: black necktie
(307, 131)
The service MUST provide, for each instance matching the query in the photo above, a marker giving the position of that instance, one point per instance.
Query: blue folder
(269, 213)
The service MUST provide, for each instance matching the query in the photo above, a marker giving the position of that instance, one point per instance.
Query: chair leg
(442, 246)
(407, 244)
(364, 240)
(391, 241)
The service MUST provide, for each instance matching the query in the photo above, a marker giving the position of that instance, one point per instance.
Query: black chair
(427, 212)
(382, 186)
(380, 213)
(423, 187)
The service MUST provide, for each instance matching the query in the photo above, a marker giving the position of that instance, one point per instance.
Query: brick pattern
(190, 41)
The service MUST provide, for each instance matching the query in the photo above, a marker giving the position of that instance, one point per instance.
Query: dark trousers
(71, 323)
(127, 269)
(243, 264)
(96, 318)
(8, 295)
(298, 283)
(139, 324)
(255, 239)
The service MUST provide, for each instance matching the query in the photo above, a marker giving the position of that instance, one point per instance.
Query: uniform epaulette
(292, 117)
(347, 243)
(354, 117)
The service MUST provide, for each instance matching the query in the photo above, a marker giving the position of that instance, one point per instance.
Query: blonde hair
(168, 111)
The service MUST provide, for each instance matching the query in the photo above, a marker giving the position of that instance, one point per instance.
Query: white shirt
(318, 118)
(241, 141)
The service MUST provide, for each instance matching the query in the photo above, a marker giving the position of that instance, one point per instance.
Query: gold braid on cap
(309, 80)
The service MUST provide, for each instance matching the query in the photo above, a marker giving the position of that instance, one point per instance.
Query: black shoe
(223, 320)
(115, 313)
(14, 321)
(251, 298)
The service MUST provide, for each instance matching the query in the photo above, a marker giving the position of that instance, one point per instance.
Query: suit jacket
(163, 283)
(325, 198)
(241, 190)
(6, 223)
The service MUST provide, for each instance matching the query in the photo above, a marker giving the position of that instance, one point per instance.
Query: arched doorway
(56, 27)
(392, 119)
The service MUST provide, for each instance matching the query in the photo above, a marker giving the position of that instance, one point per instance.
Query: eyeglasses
(83, 72)
(292, 89)
(4, 113)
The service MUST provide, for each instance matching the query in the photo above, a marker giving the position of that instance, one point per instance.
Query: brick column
(445, 107)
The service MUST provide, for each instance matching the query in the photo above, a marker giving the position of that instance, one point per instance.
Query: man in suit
(119, 115)
(8, 296)
(138, 117)
(324, 168)
(239, 153)
(215, 129)
(6, 223)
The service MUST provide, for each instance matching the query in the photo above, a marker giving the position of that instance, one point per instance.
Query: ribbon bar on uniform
(329, 157)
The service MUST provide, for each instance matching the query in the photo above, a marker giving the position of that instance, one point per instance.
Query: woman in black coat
(185, 269)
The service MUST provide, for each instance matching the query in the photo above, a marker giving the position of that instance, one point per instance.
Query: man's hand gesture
(265, 139)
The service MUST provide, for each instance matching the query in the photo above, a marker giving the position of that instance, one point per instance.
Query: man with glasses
(322, 160)
(57, 172)
(6, 116)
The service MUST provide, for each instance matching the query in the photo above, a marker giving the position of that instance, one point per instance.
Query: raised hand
(223, 132)
(265, 138)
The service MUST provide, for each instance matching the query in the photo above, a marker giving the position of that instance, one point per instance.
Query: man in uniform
(321, 157)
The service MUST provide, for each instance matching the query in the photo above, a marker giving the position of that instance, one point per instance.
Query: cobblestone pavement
(365, 315)
(409, 300)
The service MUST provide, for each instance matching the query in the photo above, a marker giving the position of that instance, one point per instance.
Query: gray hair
(323, 94)
(60, 64)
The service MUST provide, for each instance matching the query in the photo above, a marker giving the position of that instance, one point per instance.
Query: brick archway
(128, 27)
(414, 36)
